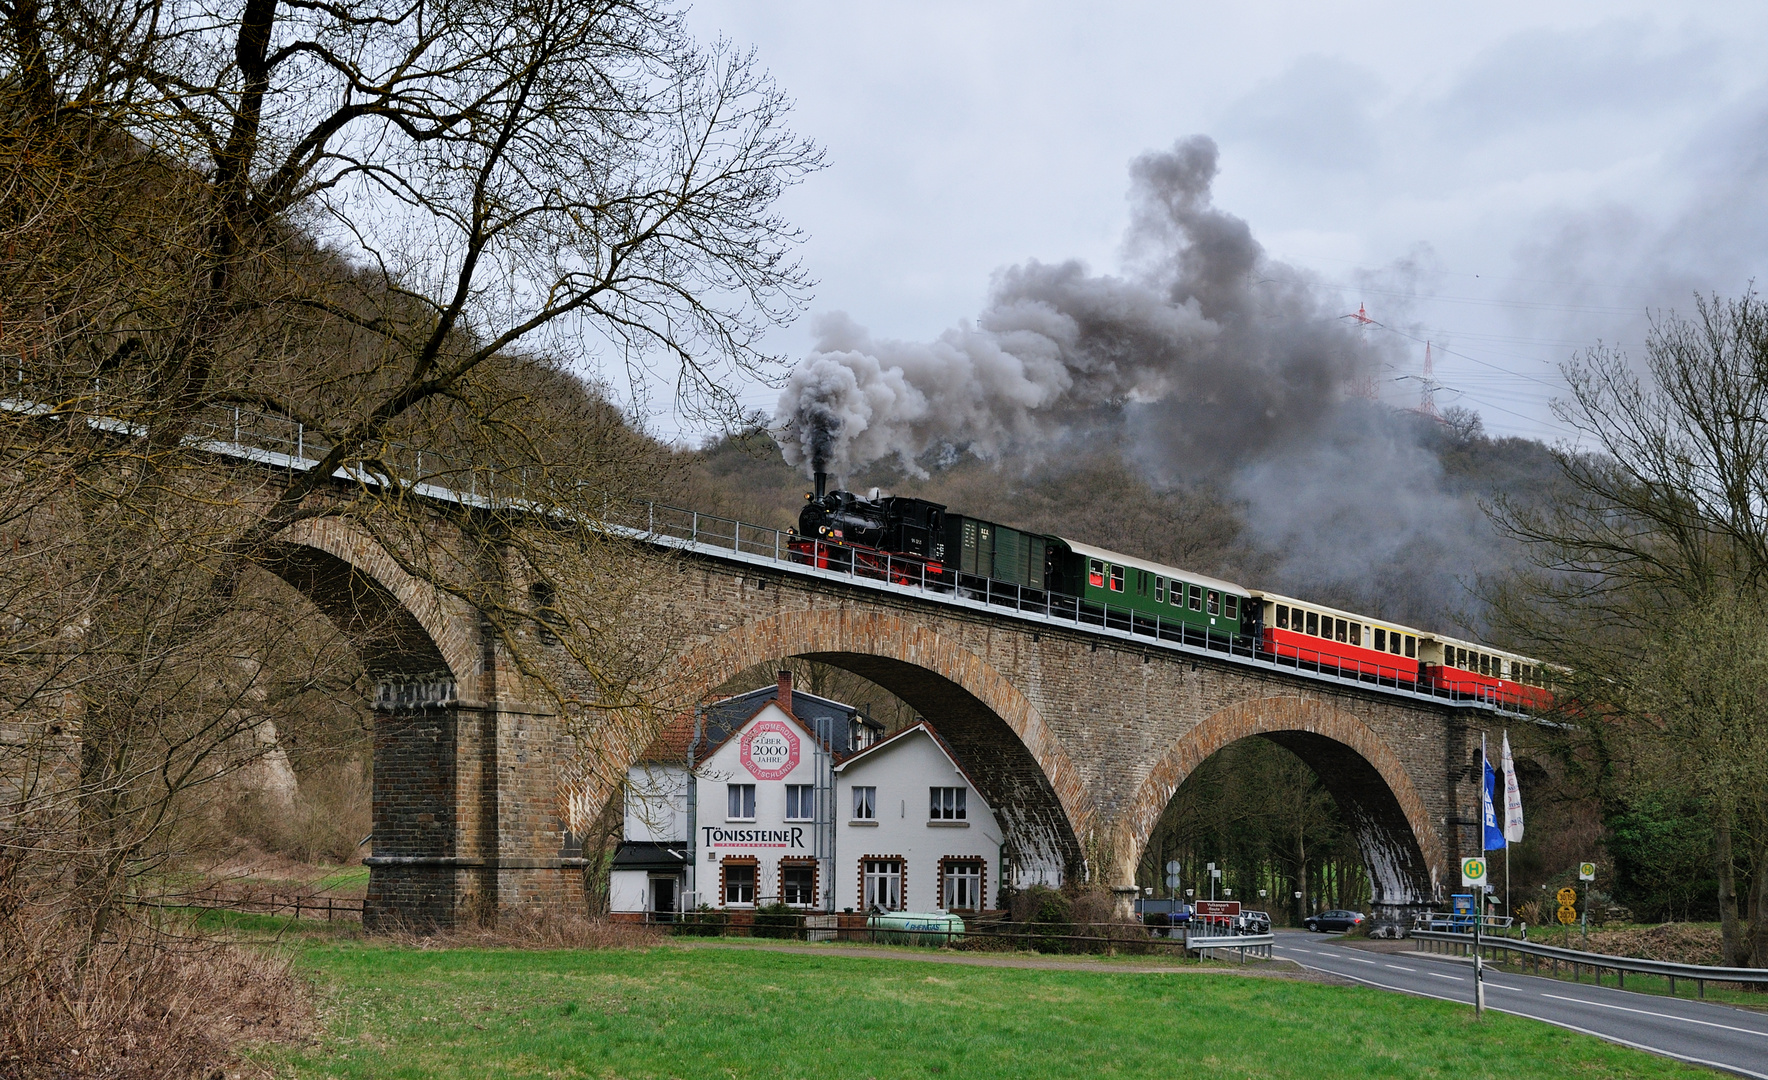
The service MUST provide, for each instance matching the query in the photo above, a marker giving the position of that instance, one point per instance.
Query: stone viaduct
(1079, 734)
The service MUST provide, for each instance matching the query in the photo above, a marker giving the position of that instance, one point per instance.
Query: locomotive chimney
(822, 482)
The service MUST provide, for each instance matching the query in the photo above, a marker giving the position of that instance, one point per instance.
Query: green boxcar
(985, 549)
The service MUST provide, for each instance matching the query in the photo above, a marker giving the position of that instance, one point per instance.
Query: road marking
(1665, 1016)
(1723, 1066)
(1440, 975)
(1360, 960)
(1397, 967)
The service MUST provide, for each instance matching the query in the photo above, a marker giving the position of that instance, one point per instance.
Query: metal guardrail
(1258, 944)
(1699, 974)
(280, 443)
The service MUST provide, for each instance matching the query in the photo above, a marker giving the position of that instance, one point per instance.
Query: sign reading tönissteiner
(769, 750)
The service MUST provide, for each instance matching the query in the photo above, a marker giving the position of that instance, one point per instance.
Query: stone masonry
(1079, 739)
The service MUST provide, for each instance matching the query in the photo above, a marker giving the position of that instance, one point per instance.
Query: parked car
(1334, 921)
(1254, 922)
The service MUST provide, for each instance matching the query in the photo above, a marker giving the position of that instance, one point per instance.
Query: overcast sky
(1512, 181)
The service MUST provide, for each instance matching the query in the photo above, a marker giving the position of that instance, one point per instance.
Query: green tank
(916, 928)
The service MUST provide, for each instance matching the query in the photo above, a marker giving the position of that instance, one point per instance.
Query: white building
(753, 802)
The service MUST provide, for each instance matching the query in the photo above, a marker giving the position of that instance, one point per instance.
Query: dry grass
(538, 930)
(146, 1006)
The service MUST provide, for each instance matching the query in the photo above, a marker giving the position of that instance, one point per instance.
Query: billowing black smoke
(1209, 361)
(1201, 329)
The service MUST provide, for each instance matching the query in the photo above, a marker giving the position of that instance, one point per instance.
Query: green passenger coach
(1111, 585)
(1108, 579)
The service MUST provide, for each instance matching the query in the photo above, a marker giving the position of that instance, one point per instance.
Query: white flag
(1512, 797)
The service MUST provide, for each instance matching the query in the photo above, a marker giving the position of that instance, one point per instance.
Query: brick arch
(1404, 853)
(405, 628)
(999, 735)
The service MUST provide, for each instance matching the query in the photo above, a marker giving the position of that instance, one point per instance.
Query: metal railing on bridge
(279, 442)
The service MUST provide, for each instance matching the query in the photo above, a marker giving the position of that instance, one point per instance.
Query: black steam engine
(893, 536)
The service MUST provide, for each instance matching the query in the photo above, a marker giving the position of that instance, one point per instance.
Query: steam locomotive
(913, 541)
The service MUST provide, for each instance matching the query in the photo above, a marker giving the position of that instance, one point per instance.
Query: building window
(739, 802)
(798, 883)
(1116, 578)
(947, 803)
(960, 884)
(881, 883)
(739, 881)
(865, 804)
(1095, 573)
(1196, 598)
(800, 802)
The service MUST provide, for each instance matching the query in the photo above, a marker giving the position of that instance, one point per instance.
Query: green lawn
(722, 1012)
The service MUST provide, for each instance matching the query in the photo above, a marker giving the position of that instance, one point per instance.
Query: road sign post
(1473, 873)
(1586, 874)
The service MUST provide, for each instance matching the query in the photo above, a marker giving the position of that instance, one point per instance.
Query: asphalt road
(1735, 1040)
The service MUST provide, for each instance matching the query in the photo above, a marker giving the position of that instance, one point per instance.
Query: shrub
(778, 921)
(707, 921)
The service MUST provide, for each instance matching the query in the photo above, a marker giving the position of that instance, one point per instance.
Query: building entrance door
(663, 899)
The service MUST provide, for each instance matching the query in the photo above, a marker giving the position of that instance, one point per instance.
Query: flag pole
(1479, 892)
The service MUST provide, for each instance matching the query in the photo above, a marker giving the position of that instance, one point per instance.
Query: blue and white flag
(1512, 796)
(1488, 811)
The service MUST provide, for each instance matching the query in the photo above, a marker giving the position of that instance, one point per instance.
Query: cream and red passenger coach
(1315, 635)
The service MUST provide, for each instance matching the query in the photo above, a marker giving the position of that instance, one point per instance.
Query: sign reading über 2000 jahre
(769, 750)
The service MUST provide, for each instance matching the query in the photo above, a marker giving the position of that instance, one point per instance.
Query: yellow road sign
(1567, 896)
(1568, 914)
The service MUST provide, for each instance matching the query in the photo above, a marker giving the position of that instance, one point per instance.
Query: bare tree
(393, 230)
(1649, 580)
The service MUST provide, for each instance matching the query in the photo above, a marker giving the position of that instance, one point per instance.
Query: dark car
(1254, 922)
(1333, 921)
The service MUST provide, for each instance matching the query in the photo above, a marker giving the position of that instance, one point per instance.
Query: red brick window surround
(799, 882)
(963, 883)
(883, 882)
(739, 880)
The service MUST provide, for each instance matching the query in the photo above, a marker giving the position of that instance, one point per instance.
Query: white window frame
(881, 880)
(805, 796)
(865, 803)
(735, 795)
(953, 875)
(804, 868)
(754, 883)
(948, 804)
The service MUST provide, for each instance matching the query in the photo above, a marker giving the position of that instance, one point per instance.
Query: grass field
(730, 1012)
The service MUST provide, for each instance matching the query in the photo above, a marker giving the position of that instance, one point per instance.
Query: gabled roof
(773, 702)
(724, 718)
(921, 726)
